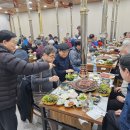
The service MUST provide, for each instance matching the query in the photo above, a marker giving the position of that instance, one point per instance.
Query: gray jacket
(41, 81)
(75, 57)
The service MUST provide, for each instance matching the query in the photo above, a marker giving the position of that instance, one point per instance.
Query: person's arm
(21, 67)
(36, 79)
(53, 72)
(73, 58)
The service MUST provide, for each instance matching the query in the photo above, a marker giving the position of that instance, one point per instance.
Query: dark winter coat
(10, 68)
(61, 65)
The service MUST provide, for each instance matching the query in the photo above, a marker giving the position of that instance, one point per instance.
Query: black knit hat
(91, 36)
(6, 35)
(63, 46)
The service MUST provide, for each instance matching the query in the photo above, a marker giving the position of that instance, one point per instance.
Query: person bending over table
(47, 79)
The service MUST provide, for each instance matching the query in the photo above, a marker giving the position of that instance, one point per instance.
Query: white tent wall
(4, 22)
(49, 20)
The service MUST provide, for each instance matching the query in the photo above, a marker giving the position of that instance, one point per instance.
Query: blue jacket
(125, 115)
(61, 65)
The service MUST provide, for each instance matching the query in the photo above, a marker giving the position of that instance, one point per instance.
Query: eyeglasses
(51, 56)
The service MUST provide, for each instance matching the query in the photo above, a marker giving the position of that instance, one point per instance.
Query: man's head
(51, 42)
(128, 35)
(41, 36)
(125, 49)
(55, 39)
(63, 50)
(92, 37)
(7, 39)
(49, 53)
(79, 30)
(124, 66)
(124, 34)
(78, 44)
(38, 43)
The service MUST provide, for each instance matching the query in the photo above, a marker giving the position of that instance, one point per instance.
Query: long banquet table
(68, 117)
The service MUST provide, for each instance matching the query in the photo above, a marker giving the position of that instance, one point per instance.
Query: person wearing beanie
(62, 62)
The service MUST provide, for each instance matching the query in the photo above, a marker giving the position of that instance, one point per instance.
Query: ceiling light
(30, 8)
(6, 12)
(30, 2)
(45, 6)
(1, 8)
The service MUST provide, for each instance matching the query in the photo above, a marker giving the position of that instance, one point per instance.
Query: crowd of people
(54, 61)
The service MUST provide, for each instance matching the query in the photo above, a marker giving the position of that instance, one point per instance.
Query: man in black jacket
(62, 62)
(10, 68)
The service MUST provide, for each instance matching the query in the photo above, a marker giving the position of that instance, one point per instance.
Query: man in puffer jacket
(10, 68)
(75, 56)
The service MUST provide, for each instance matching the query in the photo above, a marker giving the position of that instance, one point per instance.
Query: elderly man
(62, 62)
(10, 68)
(47, 78)
(120, 119)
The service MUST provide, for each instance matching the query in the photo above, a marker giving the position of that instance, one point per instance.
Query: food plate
(69, 103)
(60, 102)
(104, 90)
(84, 85)
(49, 104)
(106, 57)
(82, 97)
(49, 99)
(104, 95)
(107, 75)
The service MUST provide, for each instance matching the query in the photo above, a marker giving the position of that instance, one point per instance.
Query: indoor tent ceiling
(7, 6)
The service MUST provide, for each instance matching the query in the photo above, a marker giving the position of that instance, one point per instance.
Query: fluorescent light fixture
(30, 8)
(45, 6)
(6, 12)
(30, 2)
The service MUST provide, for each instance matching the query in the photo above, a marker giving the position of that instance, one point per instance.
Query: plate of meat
(84, 85)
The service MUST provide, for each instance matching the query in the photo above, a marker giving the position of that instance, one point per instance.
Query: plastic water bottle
(94, 65)
(90, 100)
(92, 59)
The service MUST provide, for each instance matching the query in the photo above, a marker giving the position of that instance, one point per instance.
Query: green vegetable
(109, 62)
(97, 53)
(82, 96)
(104, 88)
(50, 98)
(69, 76)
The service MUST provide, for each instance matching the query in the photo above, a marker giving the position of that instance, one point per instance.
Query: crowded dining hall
(64, 65)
